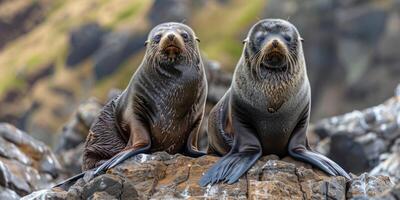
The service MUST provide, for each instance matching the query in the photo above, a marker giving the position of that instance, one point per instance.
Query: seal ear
(301, 39)
(197, 39)
(245, 41)
(146, 42)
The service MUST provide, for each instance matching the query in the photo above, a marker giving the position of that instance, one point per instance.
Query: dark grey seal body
(267, 108)
(160, 110)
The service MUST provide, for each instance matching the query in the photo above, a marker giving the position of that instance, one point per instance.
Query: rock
(218, 81)
(168, 10)
(54, 194)
(161, 176)
(390, 165)
(83, 41)
(44, 72)
(8, 194)
(366, 148)
(116, 47)
(354, 42)
(25, 17)
(366, 186)
(71, 160)
(74, 132)
(392, 194)
(364, 136)
(365, 23)
(71, 142)
(387, 46)
(26, 164)
(111, 185)
(397, 92)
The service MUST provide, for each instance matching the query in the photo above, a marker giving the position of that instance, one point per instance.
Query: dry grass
(223, 27)
(47, 43)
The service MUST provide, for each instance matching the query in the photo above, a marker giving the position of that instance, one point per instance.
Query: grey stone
(83, 41)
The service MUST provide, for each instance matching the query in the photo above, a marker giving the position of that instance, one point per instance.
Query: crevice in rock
(247, 186)
(347, 187)
(122, 188)
(259, 173)
(300, 186)
(326, 190)
(155, 180)
(188, 174)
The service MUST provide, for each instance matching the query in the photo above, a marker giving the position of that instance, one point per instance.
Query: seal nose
(171, 36)
(275, 43)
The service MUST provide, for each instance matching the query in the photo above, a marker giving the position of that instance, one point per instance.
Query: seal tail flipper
(191, 147)
(230, 168)
(318, 160)
(193, 153)
(88, 175)
(65, 185)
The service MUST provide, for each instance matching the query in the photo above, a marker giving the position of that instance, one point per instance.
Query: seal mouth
(274, 60)
(172, 48)
(171, 51)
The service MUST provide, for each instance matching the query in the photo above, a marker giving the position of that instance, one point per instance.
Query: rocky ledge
(371, 144)
(26, 165)
(161, 176)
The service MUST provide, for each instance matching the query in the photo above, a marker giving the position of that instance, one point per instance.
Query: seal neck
(273, 90)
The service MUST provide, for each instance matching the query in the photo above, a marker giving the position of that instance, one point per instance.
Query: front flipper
(65, 185)
(299, 149)
(115, 160)
(230, 168)
(245, 151)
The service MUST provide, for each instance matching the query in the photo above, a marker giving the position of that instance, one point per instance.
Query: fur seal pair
(161, 109)
(267, 108)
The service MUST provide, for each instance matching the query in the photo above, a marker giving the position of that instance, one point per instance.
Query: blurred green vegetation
(221, 28)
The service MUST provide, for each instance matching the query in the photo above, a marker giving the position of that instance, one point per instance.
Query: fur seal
(266, 110)
(160, 110)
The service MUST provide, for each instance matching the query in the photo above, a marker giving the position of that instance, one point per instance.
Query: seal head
(272, 47)
(171, 44)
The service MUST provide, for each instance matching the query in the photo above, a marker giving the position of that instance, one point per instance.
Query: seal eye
(185, 36)
(260, 38)
(287, 38)
(157, 38)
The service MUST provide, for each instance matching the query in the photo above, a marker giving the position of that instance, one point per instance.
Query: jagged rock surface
(26, 165)
(161, 176)
(370, 136)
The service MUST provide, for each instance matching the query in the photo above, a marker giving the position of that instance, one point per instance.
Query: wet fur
(104, 139)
